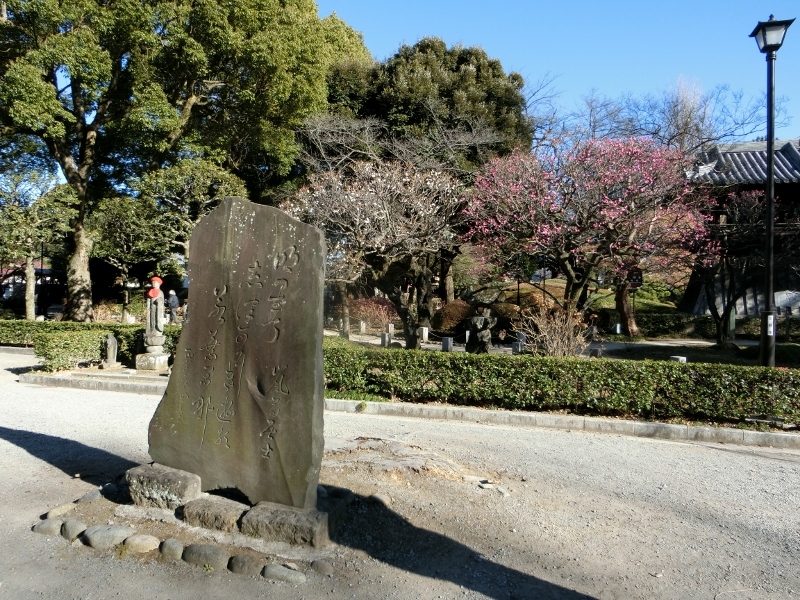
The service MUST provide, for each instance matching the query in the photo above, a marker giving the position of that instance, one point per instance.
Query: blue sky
(612, 47)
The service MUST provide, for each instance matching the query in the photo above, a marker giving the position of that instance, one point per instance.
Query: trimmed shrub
(130, 338)
(67, 349)
(648, 389)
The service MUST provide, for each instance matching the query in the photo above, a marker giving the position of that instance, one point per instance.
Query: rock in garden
(48, 527)
(72, 528)
(162, 487)
(244, 405)
(141, 543)
(281, 573)
(103, 537)
(60, 510)
(171, 549)
(207, 556)
(214, 512)
(322, 567)
(245, 564)
(91, 496)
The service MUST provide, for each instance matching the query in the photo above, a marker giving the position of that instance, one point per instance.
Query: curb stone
(17, 350)
(171, 549)
(281, 573)
(48, 527)
(662, 431)
(72, 529)
(103, 537)
(207, 556)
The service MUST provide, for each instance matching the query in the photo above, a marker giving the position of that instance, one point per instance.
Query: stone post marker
(243, 408)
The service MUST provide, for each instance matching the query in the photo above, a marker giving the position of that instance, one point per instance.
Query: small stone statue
(154, 358)
(154, 332)
(480, 334)
(111, 353)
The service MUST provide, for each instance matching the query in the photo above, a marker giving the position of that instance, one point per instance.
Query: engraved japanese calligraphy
(243, 408)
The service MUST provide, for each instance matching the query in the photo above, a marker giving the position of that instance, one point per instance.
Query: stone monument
(479, 334)
(243, 407)
(154, 358)
(112, 347)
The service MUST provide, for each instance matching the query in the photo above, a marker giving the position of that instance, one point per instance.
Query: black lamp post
(769, 37)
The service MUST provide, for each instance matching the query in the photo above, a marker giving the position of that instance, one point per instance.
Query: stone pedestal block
(162, 487)
(299, 526)
(152, 362)
(214, 512)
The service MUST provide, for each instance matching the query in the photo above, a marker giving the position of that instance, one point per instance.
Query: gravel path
(475, 511)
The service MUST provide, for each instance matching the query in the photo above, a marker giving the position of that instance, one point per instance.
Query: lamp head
(769, 34)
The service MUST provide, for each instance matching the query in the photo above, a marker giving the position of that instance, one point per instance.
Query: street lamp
(769, 37)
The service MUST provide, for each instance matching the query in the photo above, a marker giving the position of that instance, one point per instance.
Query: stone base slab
(299, 526)
(162, 487)
(152, 362)
(214, 512)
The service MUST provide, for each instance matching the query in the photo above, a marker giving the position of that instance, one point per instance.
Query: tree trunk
(341, 288)
(125, 296)
(446, 287)
(449, 288)
(626, 316)
(125, 302)
(79, 282)
(408, 284)
(30, 289)
(416, 307)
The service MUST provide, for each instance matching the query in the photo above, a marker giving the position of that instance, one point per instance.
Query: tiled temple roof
(746, 163)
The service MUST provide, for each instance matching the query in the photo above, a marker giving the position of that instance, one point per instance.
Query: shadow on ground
(20, 370)
(390, 538)
(367, 526)
(94, 465)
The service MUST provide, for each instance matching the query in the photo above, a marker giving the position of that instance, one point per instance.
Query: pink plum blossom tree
(611, 204)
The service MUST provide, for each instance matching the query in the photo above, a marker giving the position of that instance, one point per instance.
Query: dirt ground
(406, 502)
(469, 510)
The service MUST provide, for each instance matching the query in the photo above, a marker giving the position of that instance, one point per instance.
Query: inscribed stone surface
(243, 408)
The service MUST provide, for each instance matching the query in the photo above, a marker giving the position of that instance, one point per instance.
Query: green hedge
(679, 325)
(130, 340)
(645, 389)
(67, 349)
